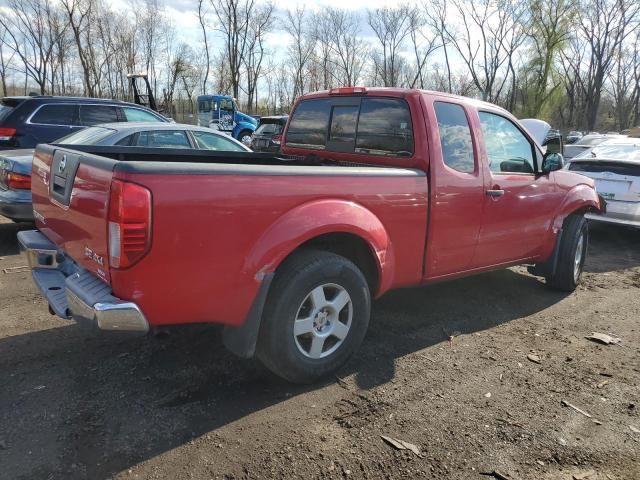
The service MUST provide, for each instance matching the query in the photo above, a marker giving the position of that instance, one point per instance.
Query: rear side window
(139, 115)
(54, 115)
(384, 127)
(309, 125)
(164, 139)
(6, 107)
(455, 137)
(93, 114)
(212, 141)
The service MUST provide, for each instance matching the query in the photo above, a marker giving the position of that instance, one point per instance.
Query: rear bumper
(16, 205)
(76, 293)
(619, 213)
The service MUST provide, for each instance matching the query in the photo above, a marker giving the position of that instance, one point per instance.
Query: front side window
(384, 127)
(508, 149)
(54, 115)
(455, 137)
(211, 141)
(164, 139)
(94, 114)
(309, 124)
(226, 104)
(139, 115)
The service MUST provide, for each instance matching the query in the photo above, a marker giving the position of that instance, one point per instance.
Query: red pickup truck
(378, 189)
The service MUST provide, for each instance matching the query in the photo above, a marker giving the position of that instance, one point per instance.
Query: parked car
(586, 143)
(15, 165)
(573, 136)
(287, 254)
(27, 121)
(615, 166)
(268, 136)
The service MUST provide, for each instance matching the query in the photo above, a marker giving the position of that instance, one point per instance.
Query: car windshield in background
(269, 129)
(613, 152)
(88, 136)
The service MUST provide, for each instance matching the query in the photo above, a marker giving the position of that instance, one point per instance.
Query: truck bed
(221, 221)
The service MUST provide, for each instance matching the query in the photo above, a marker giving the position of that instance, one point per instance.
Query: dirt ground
(445, 368)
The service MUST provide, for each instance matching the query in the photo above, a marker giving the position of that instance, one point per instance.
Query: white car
(615, 166)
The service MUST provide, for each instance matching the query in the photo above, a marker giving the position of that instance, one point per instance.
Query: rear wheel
(316, 316)
(572, 254)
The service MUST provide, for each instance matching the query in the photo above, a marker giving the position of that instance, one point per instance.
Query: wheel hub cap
(323, 321)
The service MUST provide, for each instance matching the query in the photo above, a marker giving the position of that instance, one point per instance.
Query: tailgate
(70, 202)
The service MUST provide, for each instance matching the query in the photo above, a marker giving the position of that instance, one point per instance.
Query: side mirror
(551, 162)
(554, 144)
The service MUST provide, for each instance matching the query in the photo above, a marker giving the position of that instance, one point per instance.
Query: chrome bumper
(73, 292)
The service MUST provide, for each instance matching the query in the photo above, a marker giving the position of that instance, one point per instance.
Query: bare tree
(203, 26)
(391, 27)
(234, 17)
(604, 26)
(489, 33)
(260, 24)
(423, 43)
(5, 58)
(349, 50)
(302, 46)
(31, 35)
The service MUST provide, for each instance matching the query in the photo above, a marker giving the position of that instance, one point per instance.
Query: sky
(184, 15)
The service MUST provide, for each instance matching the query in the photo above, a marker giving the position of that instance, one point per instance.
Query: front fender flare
(580, 197)
(313, 219)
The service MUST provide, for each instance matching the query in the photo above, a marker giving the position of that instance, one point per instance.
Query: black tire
(282, 352)
(565, 278)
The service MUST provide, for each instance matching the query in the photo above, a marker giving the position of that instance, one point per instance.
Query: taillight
(17, 181)
(7, 133)
(129, 223)
(276, 139)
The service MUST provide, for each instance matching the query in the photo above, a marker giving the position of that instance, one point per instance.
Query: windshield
(269, 129)
(88, 136)
(613, 152)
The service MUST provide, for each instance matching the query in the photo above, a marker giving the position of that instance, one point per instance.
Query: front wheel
(245, 137)
(316, 316)
(572, 254)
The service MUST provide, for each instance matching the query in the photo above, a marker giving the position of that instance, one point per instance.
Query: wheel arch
(342, 227)
(579, 200)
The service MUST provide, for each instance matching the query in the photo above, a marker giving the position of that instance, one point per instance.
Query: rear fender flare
(313, 219)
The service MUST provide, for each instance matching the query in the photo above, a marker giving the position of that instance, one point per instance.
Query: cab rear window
(373, 126)
(310, 123)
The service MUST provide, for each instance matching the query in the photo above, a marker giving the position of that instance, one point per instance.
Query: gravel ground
(447, 368)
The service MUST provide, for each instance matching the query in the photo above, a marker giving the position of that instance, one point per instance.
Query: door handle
(495, 193)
